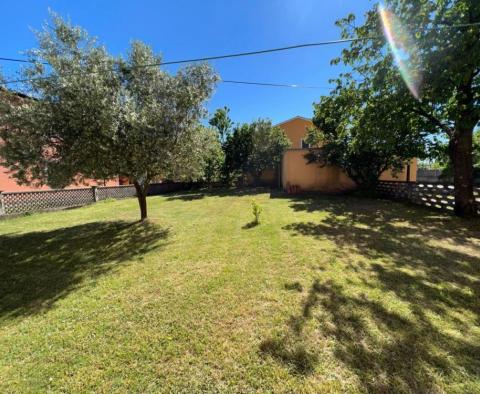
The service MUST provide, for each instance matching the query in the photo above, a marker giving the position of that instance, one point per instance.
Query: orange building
(311, 177)
(8, 182)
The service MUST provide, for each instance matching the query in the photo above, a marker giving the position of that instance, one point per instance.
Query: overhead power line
(12, 59)
(258, 52)
(231, 55)
(226, 56)
(280, 85)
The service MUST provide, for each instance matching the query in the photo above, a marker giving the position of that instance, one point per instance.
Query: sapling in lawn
(257, 210)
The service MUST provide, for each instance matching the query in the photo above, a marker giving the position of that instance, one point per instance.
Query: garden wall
(434, 194)
(33, 201)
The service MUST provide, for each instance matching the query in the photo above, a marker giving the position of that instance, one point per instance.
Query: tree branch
(433, 119)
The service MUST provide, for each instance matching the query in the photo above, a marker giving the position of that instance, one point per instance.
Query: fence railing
(116, 192)
(430, 194)
(41, 200)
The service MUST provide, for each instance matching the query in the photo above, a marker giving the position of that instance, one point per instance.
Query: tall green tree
(268, 144)
(237, 147)
(439, 62)
(222, 123)
(213, 157)
(101, 116)
(364, 133)
(253, 148)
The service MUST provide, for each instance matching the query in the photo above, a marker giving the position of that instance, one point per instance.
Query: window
(303, 144)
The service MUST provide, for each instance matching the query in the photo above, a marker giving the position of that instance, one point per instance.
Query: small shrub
(257, 210)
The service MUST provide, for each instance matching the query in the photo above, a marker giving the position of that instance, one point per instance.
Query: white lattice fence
(20, 202)
(433, 195)
(116, 192)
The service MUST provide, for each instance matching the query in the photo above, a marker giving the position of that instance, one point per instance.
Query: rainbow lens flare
(403, 48)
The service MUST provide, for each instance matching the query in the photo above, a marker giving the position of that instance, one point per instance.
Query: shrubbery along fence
(430, 194)
(32, 201)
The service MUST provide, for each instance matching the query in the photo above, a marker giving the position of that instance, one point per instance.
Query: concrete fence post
(95, 193)
(2, 204)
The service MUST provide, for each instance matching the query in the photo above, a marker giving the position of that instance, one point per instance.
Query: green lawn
(327, 294)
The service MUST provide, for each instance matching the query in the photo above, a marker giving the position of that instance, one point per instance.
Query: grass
(327, 294)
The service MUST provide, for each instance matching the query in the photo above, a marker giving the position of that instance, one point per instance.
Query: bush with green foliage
(214, 158)
(268, 144)
(238, 147)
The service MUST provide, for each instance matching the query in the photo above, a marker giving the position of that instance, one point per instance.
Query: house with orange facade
(293, 172)
(296, 172)
(9, 184)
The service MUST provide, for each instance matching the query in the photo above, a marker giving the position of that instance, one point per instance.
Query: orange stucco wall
(8, 184)
(311, 177)
(402, 176)
(296, 130)
(296, 171)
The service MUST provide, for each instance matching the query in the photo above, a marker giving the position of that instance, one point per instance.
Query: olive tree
(98, 116)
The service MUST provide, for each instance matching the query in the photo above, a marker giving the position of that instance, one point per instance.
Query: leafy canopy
(439, 58)
(253, 148)
(100, 116)
(222, 123)
(268, 144)
(363, 133)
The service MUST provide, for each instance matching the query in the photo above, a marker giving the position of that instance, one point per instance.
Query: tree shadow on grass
(40, 268)
(421, 327)
(186, 197)
(435, 276)
(218, 192)
(385, 350)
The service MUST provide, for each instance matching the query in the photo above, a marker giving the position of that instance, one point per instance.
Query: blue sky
(184, 29)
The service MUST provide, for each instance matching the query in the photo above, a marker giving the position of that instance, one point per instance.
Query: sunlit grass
(326, 294)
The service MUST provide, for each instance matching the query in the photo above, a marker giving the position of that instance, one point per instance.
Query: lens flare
(403, 48)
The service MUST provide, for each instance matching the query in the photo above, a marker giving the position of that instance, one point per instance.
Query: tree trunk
(460, 149)
(461, 156)
(142, 200)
